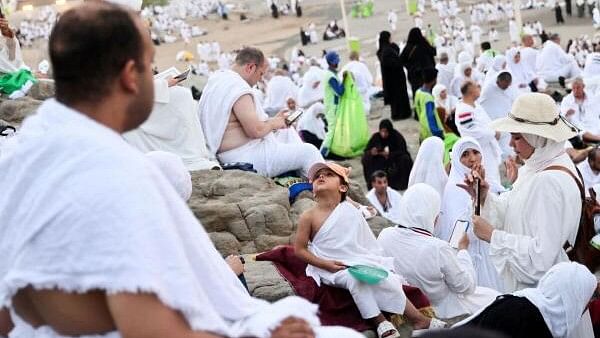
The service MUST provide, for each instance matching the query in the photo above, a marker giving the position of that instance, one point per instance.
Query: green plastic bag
(351, 133)
(12, 82)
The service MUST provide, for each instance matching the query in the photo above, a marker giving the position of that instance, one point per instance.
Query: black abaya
(398, 163)
(416, 56)
(395, 92)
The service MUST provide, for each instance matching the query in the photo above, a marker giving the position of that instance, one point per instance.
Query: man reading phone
(238, 130)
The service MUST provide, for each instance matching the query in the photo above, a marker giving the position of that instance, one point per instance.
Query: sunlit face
(578, 90)
(327, 180)
(380, 184)
(523, 149)
(470, 158)
(517, 57)
(468, 72)
(255, 72)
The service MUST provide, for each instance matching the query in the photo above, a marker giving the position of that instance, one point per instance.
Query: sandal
(7, 130)
(385, 329)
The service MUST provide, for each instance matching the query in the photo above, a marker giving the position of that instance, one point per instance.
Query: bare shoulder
(306, 218)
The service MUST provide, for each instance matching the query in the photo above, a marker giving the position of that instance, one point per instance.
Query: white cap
(135, 5)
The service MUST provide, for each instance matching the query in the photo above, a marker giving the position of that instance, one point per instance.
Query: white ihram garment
(173, 126)
(391, 211)
(534, 219)
(444, 274)
(429, 165)
(458, 206)
(274, 154)
(553, 62)
(106, 218)
(345, 236)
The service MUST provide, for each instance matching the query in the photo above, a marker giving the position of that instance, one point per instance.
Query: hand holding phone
(291, 118)
(459, 230)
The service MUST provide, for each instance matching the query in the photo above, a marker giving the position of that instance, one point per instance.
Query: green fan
(367, 274)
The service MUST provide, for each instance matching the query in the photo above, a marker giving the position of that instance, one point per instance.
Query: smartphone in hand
(294, 116)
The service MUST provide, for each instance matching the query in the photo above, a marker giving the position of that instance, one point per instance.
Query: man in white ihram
(237, 129)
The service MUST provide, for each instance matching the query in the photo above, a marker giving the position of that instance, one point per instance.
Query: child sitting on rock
(334, 235)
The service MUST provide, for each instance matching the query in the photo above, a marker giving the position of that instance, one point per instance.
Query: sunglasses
(551, 123)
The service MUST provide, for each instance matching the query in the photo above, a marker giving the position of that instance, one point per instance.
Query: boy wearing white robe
(236, 128)
(445, 274)
(385, 199)
(334, 235)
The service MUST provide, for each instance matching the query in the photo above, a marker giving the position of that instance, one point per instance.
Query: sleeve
(530, 256)
(430, 111)
(565, 105)
(458, 270)
(470, 125)
(494, 209)
(338, 87)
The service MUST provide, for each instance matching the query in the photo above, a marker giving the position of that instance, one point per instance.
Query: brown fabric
(582, 251)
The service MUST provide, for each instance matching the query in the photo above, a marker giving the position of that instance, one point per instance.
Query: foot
(429, 323)
(385, 329)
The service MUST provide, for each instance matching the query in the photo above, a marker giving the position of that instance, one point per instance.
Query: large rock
(15, 111)
(42, 90)
(246, 213)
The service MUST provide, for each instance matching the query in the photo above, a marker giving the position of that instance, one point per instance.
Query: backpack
(582, 252)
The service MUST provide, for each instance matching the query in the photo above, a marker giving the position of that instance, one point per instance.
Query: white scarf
(419, 207)
(429, 165)
(561, 296)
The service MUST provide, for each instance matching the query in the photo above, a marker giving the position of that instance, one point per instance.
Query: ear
(344, 188)
(129, 77)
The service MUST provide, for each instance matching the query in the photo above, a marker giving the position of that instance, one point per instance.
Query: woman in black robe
(387, 151)
(395, 93)
(417, 55)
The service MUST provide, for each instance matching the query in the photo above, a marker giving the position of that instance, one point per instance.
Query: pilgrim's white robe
(393, 208)
(274, 154)
(173, 126)
(445, 275)
(590, 178)
(106, 218)
(553, 62)
(345, 236)
(532, 223)
(279, 89)
(11, 59)
(497, 103)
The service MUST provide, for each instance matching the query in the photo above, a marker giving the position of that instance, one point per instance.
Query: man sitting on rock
(340, 237)
(385, 199)
(237, 129)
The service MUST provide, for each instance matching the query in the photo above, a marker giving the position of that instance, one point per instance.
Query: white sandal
(387, 327)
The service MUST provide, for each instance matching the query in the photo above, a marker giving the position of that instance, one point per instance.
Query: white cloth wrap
(221, 92)
(393, 211)
(429, 165)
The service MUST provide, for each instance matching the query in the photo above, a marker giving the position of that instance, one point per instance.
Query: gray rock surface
(15, 111)
(43, 89)
(247, 213)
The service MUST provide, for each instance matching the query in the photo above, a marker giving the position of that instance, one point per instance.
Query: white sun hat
(135, 5)
(537, 114)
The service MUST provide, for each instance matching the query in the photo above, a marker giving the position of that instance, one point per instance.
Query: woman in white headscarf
(553, 309)
(457, 206)
(443, 99)
(445, 275)
(499, 64)
(429, 165)
(528, 226)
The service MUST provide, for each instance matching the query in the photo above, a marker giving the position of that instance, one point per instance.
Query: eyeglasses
(551, 123)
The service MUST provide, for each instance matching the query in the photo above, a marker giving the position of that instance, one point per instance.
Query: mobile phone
(182, 76)
(294, 116)
(460, 227)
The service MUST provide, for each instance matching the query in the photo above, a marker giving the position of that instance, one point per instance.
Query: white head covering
(499, 62)
(459, 170)
(437, 90)
(561, 296)
(429, 165)
(419, 207)
(174, 170)
(545, 153)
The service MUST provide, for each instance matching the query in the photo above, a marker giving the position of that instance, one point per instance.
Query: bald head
(88, 48)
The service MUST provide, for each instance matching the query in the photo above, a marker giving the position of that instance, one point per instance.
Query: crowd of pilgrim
(98, 241)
